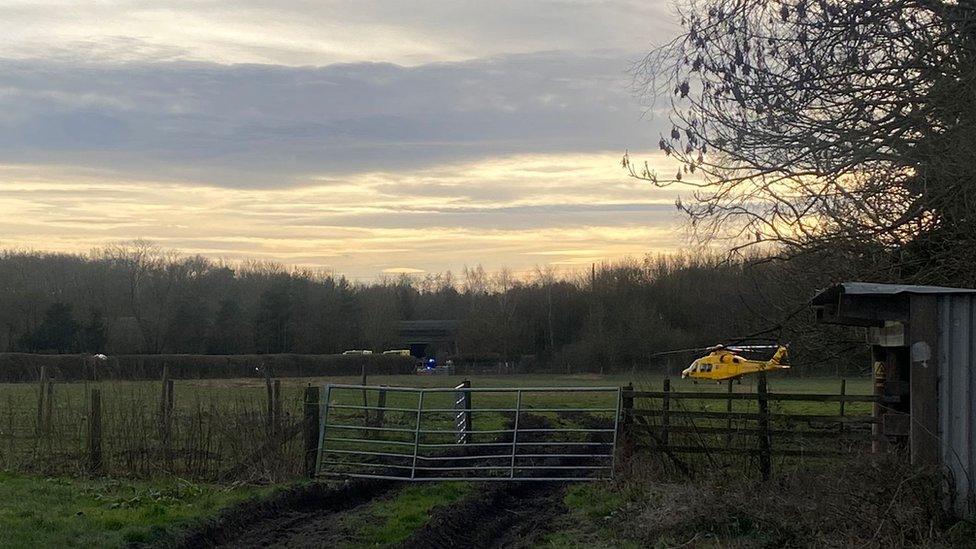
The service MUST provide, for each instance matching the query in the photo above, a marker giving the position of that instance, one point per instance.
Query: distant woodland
(137, 298)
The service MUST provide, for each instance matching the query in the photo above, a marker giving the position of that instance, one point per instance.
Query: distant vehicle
(397, 352)
(429, 366)
(426, 365)
(722, 363)
(358, 352)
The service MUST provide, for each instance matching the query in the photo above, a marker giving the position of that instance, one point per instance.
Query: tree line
(138, 298)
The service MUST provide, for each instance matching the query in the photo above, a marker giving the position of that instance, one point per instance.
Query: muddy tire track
(299, 517)
(500, 515)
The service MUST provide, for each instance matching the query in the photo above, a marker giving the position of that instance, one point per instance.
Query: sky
(360, 137)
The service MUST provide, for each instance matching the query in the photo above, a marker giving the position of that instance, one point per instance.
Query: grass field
(65, 512)
(227, 392)
(109, 512)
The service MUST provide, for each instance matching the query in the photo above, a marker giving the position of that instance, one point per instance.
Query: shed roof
(831, 294)
(427, 331)
(446, 325)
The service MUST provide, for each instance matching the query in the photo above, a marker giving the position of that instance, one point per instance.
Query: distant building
(428, 337)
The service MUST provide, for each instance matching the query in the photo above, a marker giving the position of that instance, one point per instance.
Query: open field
(230, 392)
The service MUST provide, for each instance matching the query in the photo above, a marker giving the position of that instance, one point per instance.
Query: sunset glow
(352, 138)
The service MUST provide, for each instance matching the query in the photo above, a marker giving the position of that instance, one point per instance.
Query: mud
(501, 515)
(299, 517)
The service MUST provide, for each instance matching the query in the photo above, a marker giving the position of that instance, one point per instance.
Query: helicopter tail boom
(778, 357)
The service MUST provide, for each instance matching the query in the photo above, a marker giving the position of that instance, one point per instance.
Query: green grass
(595, 501)
(592, 519)
(61, 512)
(387, 522)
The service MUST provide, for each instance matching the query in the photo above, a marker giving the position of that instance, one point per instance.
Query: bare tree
(826, 125)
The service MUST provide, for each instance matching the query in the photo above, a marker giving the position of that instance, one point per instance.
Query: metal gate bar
(411, 445)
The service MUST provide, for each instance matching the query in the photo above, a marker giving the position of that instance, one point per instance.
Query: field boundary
(661, 421)
(28, 367)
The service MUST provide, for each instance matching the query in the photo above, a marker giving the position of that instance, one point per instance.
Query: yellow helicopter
(722, 363)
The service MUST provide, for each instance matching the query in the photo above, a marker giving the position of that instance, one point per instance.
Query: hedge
(26, 367)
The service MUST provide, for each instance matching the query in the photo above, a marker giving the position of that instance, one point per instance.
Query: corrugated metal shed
(871, 288)
(925, 338)
(957, 391)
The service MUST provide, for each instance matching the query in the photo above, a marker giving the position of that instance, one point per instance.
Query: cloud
(403, 270)
(299, 32)
(358, 225)
(271, 126)
(363, 136)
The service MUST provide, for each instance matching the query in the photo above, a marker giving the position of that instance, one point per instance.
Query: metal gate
(466, 433)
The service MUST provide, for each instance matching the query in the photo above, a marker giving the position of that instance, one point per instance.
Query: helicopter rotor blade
(716, 347)
(680, 351)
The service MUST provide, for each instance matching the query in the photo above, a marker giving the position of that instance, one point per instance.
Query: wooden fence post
(311, 432)
(11, 447)
(381, 405)
(728, 421)
(276, 418)
(49, 408)
(95, 432)
(626, 420)
(41, 393)
(765, 459)
(170, 396)
(164, 393)
(165, 379)
(666, 412)
(626, 407)
(843, 404)
(166, 414)
(170, 392)
(365, 400)
(269, 389)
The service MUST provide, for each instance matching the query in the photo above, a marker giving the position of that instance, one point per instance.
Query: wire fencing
(192, 429)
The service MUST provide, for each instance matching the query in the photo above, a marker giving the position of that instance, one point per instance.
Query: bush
(875, 503)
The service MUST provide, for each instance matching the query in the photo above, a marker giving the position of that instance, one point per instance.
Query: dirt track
(502, 515)
(498, 515)
(302, 517)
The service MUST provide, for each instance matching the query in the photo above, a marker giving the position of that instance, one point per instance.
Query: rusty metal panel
(957, 391)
